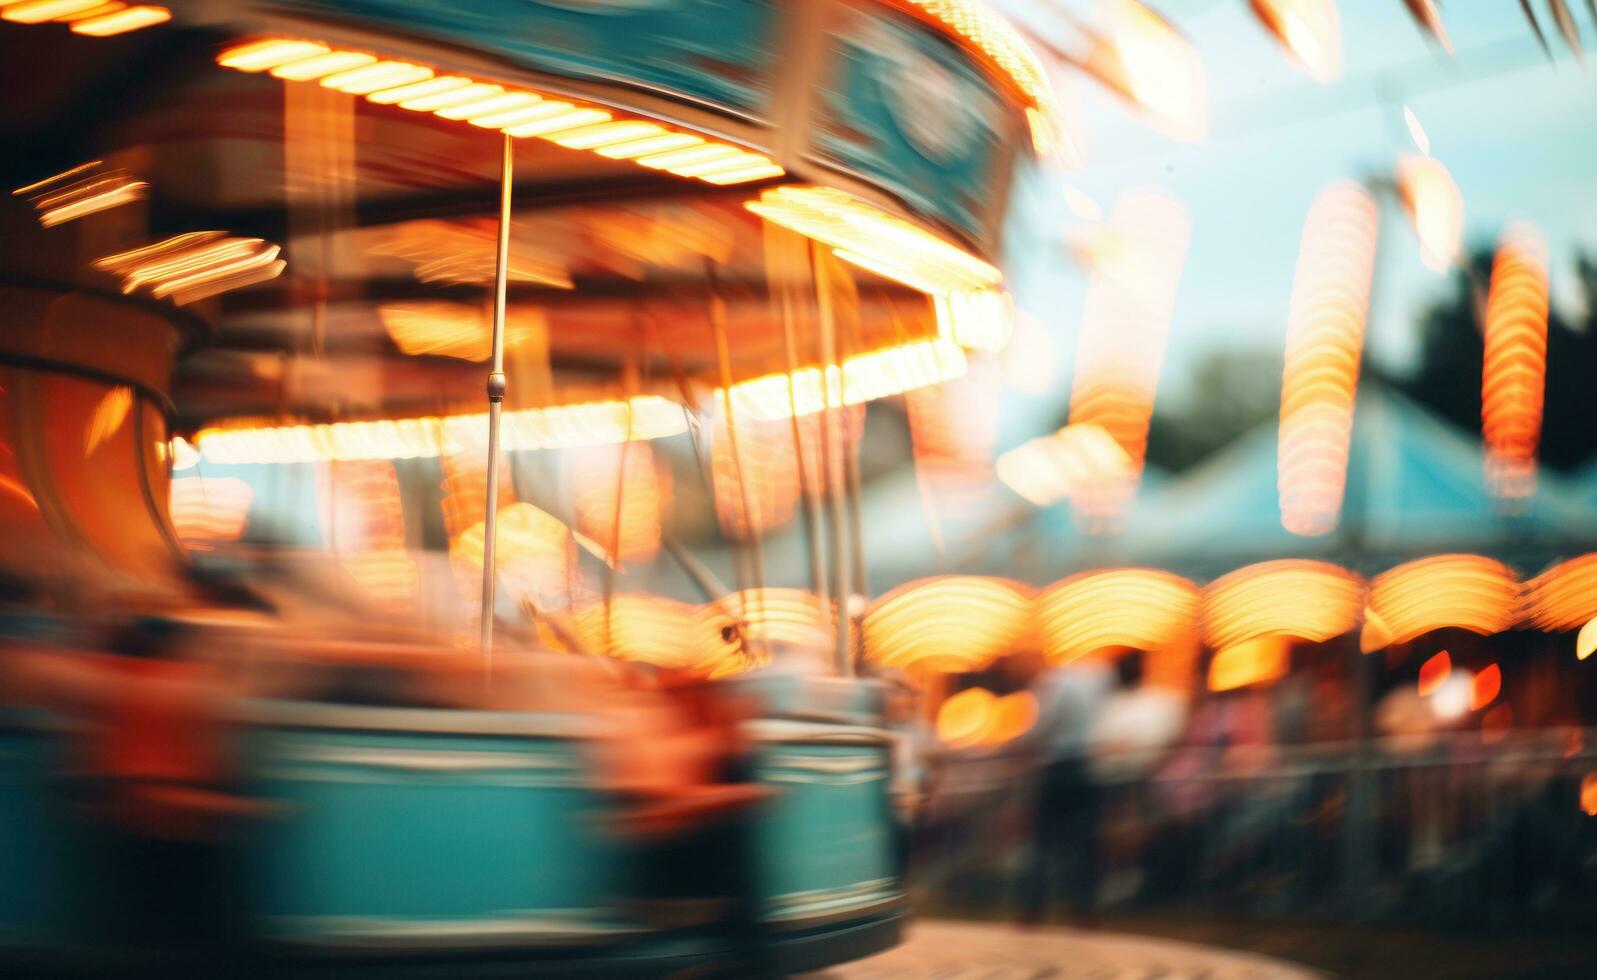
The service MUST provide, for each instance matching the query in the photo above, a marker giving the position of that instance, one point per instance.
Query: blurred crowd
(1343, 787)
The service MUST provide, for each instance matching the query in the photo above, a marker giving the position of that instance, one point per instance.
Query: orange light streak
(195, 265)
(1308, 600)
(951, 622)
(80, 191)
(1463, 591)
(40, 11)
(1514, 367)
(1324, 345)
(555, 427)
(1141, 608)
(1564, 597)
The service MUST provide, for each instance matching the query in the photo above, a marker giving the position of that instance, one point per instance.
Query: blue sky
(1518, 133)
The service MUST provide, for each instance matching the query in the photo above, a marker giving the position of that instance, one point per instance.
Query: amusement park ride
(307, 231)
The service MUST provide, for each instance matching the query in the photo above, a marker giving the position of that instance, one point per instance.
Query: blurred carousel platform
(953, 950)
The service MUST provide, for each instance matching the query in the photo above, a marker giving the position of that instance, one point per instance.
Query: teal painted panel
(32, 873)
(907, 109)
(830, 829)
(22, 870)
(412, 827)
(716, 51)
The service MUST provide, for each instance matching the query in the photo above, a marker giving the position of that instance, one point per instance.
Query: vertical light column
(1514, 368)
(1324, 344)
(1136, 261)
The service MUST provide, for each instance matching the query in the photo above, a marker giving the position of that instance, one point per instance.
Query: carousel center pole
(496, 397)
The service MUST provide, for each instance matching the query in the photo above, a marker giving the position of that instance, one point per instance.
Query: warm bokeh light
(757, 483)
(1136, 261)
(1433, 672)
(628, 528)
(1434, 206)
(1255, 661)
(534, 554)
(1324, 345)
(1514, 368)
(463, 491)
(556, 427)
(210, 509)
(1013, 716)
(651, 630)
(1310, 31)
(1149, 62)
(1309, 600)
(1485, 687)
(195, 265)
(1586, 640)
(951, 622)
(364, 525)
(964, 718)
(1588, 794)
(794, 617)
(1141, 608)
(975, 717)
(1450, 696)
(1078, 459)
(1464, 591)
(517, 113)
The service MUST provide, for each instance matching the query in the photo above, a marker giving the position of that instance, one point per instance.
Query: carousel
(428, 322)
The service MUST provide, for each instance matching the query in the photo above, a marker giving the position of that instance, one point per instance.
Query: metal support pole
(832, 450)
(496, 398)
